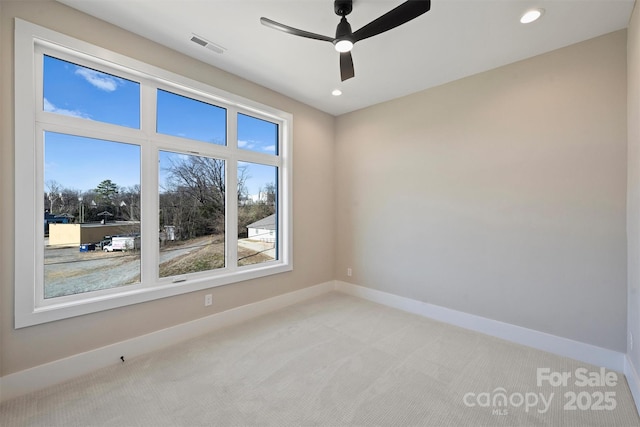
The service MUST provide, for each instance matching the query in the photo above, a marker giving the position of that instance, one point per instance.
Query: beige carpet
(333, 360)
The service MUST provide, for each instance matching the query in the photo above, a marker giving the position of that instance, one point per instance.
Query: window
(192, 214)
(257, 213)
(73, 90)
(149, 184)
(83, 206)
(185, 117)
(257, 135)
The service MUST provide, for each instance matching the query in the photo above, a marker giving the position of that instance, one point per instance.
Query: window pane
(257, 135)
(74, 90)
(192, 119)
(257, 213)
(192, 213)
(92, 214)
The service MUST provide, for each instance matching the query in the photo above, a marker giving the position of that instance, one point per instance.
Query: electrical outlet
(349, 272)
(208, 300)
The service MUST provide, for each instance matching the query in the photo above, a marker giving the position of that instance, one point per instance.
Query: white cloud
(247, 145)
(99, 80)
(48, 106)
(253, 145)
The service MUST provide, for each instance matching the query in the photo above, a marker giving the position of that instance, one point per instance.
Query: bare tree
(54, 192)
(128, 202)
(270, 190)
(243, 176)
(194, 195)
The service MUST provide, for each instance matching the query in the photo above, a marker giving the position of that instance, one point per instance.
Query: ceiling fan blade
(403, 13)
(296, 32)
(346, 66)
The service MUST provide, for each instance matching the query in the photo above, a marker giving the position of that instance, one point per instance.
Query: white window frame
(31, 42)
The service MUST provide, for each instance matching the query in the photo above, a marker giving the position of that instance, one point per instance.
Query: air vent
(206, 43)
(199, 41)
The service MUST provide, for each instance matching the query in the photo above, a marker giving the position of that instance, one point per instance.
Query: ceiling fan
(345, 38)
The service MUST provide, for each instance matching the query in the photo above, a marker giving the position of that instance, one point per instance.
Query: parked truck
(123, 243)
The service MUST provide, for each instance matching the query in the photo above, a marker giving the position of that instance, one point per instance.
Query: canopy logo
(500, 401)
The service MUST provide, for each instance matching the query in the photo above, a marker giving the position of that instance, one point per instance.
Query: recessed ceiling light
(531, 15)
(336, 92)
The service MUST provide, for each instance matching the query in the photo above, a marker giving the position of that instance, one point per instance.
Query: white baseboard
(58, 371)
(631, 373)
(586, 353)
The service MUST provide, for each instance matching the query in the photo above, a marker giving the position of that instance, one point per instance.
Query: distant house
(264, 229)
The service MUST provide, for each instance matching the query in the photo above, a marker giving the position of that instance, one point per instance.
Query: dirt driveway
(67, 271)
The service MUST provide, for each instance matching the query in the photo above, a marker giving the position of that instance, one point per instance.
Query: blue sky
(82, 163)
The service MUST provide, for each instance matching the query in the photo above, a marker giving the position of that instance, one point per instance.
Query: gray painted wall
(501, 195)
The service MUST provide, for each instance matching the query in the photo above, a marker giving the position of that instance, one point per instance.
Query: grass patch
(205, 254)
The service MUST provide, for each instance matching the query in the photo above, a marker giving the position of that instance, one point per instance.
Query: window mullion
(149, 187)
(232, 191)
(39, 202)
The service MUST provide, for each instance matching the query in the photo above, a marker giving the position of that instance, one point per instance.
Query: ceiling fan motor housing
(343, 7)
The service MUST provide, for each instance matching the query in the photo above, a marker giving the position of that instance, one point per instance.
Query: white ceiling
(457, 38)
